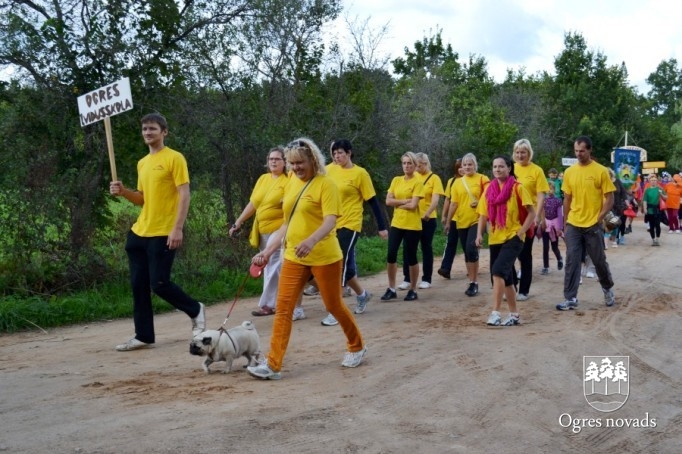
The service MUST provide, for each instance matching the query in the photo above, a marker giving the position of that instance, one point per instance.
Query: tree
(666, 89)
(589, 97)
(63, 49)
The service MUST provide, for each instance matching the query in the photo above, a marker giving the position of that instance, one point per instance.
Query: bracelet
(234, 226)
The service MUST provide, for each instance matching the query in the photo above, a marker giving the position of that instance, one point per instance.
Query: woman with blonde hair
(266, 204)
(311, 207)
(428, 209)
(464, 196)
(406, 226)
(532, 177)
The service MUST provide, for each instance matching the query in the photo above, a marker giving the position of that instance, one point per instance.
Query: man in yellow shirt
(163, 193)
(588, 196)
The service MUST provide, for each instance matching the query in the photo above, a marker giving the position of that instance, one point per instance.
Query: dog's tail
(248, 325)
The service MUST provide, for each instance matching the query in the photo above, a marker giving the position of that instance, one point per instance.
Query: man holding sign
(163, 193)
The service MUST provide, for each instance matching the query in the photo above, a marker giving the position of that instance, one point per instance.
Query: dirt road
(436, 378)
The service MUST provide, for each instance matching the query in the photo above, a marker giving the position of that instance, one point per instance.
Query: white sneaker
(329, 320)
(522, 297)
(347, 292)
(590, 274)
(298, 314)
(494, 319)
(199, 322)
(354, 359)
(132, 344)
(311, 290)
(404, 286)
(424, 284)
(511, 320)
(263, 371)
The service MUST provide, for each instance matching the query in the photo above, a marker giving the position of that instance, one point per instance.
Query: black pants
(450, 248)
(426, 243)
(150, 262)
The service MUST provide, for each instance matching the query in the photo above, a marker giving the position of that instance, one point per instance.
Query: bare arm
(117, 189)
(248, 211)
(451, 213)
(540, 208)
(446, 207)
(528, 222)
(567, 208)
(434, 206)
(175, 237)
(606, 206)
(482, 223)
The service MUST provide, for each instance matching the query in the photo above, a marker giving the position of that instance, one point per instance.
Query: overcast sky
(530, 33)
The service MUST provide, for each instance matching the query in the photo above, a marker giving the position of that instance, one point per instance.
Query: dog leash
(255, 272)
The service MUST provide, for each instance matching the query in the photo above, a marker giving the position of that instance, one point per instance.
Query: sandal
(263, 311)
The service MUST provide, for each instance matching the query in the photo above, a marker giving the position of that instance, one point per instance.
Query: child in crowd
(553, 228)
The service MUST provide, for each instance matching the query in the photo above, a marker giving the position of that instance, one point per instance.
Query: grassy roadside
(208, 282)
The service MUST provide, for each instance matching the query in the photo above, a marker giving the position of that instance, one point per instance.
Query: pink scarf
(497, 202)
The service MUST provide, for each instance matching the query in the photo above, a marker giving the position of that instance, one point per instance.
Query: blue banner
(626, 166)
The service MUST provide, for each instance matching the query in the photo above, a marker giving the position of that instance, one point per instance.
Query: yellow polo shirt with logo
(267, 197)
(355, 187)
(320, 199)
(402, 190)
(158, 177)
(587, 186)
(466, 215)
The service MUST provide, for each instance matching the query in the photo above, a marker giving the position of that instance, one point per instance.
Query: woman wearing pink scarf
(502, 204)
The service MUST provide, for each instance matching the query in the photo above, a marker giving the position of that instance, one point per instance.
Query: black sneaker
(411, 295)
(444, 273)
(560, 265)
(472, 290)
(389, 295)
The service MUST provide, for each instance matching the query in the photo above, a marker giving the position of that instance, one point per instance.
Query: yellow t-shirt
(587, 186)
(320, 199)
(433, 186)
(355, 187)
(532, 178)
(267, 197)
(158, 177)
(466, 215)
(406, 189)
(500, 235)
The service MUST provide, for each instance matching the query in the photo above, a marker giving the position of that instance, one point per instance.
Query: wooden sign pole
(110, 147)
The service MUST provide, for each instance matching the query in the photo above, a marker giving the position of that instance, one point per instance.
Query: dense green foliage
(235, 77)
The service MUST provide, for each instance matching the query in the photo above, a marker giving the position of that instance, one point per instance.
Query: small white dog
(221, 345)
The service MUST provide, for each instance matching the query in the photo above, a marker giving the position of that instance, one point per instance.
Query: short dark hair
(157, 118)
(586, 140)
(343, 144)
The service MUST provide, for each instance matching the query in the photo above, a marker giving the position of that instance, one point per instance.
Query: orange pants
(292, 279)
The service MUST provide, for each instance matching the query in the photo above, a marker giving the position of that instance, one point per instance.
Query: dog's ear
(206, 341)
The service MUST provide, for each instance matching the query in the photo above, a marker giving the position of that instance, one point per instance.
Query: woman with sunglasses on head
(311, 208)
(502, 205)
(266, 204)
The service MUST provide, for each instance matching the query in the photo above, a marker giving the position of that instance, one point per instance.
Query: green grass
(204, 274)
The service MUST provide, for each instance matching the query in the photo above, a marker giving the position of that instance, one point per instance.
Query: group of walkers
(308, 216)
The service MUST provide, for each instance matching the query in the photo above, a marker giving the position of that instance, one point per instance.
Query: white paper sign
(105, 102)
